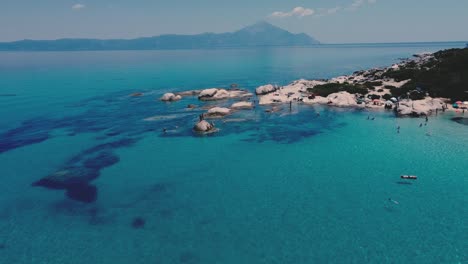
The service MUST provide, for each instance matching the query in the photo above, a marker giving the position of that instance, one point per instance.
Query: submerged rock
(82, 192)
(138, 94)
(102, 160)
(170, 97)
(461, 120)
(138, 222)
(203, 126)
(67, 178)
(265, 89)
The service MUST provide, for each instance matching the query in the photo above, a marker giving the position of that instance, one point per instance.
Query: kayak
(409, 177)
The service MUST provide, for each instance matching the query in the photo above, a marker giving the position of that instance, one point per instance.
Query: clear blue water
(277, 188)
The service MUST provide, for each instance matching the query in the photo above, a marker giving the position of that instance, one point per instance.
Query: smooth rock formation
(170, 97)
(342, 99)
(218, 112)
(296, 91)
(419, 107)
(203, 126)
(220, 94)
(265, 89)
(207, 93)
(242, 105)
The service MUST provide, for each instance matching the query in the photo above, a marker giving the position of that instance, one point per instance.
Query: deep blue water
(275, 188)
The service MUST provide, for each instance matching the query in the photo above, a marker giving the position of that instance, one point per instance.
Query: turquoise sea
(288, 187)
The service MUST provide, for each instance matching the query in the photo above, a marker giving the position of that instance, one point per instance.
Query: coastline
(366, 89)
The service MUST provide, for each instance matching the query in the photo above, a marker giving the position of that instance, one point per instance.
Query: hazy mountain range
(259, 34)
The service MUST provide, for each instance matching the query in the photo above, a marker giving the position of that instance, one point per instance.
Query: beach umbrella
(465, 103)
(459, 102)
(394, 99)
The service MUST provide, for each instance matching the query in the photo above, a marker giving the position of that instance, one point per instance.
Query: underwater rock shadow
(461, 120)
(77, 173)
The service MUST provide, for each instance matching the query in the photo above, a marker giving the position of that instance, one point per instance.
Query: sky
(329, 21)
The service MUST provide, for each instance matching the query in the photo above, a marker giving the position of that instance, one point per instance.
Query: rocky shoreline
(368, 89)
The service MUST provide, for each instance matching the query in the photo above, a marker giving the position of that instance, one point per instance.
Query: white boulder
(265, 89)
(170, 97)
(218, 111)
(341, 99)
(423, 107)
(203, 126)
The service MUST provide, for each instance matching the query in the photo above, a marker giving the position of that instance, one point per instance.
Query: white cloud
(360, 3)
(321, 12)
(333, 10)
(78, 6)
(296, 12)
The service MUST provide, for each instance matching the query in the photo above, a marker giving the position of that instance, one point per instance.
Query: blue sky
(332, 21)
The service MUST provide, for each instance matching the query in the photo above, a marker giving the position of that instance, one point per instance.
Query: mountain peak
(260, 26)
(264, 34)
(260, 34)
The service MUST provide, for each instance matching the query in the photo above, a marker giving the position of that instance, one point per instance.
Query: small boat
(409, 177)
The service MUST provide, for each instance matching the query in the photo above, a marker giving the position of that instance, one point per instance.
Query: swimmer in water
(393, 201)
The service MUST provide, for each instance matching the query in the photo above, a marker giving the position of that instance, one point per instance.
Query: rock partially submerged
(189, 93)
(218, 112)
(242, 105)
(137, 94)
(203, 126)
(170, 97)
(213, 94)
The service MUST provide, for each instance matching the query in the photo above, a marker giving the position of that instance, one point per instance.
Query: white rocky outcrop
(423, 107)
(296, 91)
(203, 126)
(341, 99)
(265, 89)
(170, 97)
(220, 94)
(207, 93)
(242, 105)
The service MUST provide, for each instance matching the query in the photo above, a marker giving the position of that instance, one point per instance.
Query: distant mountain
(259, 34)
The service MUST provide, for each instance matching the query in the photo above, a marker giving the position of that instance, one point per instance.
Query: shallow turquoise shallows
(288, 187)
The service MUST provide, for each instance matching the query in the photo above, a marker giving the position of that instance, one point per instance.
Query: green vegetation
(329, 88)
(371, 85)
(386, 96)
(446, 76)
